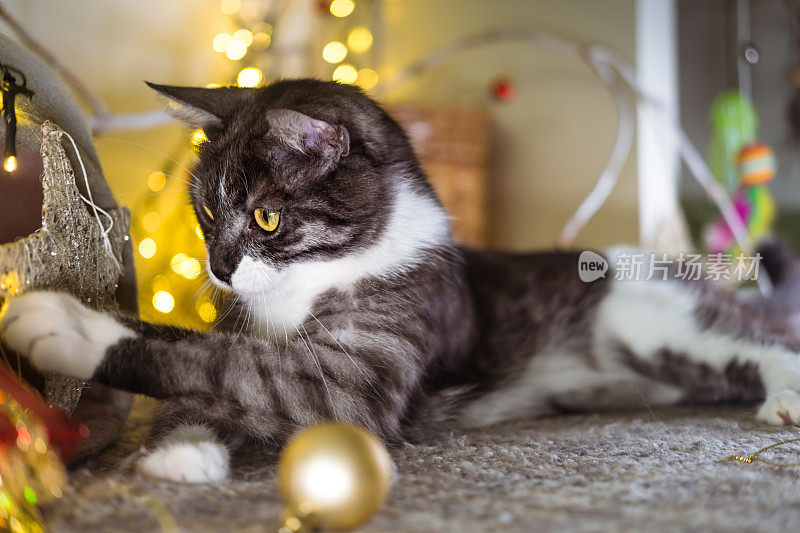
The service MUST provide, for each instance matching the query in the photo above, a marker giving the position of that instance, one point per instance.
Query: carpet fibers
(654, 471)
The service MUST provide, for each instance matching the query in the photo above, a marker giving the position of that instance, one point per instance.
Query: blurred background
(513, 134)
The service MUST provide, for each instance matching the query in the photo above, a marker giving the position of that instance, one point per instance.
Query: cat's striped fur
(361, 308)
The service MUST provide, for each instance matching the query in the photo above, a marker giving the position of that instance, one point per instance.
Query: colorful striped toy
(756, 164)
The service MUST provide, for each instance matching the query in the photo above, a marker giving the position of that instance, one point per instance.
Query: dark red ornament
(324, 6)
(503, 89)
(64, 434)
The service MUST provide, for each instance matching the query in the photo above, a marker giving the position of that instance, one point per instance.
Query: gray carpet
(659, 471)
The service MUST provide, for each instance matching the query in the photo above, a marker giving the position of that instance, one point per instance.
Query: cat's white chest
(289, 300)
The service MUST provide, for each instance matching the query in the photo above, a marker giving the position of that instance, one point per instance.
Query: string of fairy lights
(170, 249)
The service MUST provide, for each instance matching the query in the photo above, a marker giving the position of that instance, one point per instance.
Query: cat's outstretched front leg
(267, 390)
(57, 333)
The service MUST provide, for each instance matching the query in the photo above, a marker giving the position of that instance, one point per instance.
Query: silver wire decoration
(74, 251)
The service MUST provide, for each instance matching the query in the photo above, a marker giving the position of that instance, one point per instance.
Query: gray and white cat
(317, 215)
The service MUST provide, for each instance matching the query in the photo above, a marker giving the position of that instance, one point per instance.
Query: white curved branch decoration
(610, 67)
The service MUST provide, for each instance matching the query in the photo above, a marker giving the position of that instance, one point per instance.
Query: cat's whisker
(239, 321)
(307, 342)
(224, 316)
(314, 356)
(169, 157)
(246, 326)
(339, 344)
(272, 285)
(168, 268)
(231, 304)
(169, 175)
(319, 367)
(274, 328)
(182, 197)
(356, 365)
(243, 179)
(221, 187)
(223, 300)
(151, 195)
(176, 177)
(188, 259)
(248, 319)
(205, 287)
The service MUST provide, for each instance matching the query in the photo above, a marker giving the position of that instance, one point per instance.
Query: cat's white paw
(187, 462)
(781, 408)
(57, 333)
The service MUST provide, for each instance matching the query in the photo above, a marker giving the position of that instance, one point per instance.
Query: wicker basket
(452, 146)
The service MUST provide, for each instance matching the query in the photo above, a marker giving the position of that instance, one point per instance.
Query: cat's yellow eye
(266, 219)
(208, 212)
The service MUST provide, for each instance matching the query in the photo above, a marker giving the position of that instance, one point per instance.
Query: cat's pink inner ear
(344, 139)
(324, 139)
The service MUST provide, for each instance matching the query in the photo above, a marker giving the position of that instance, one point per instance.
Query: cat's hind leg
(703, 341)
(184, 450)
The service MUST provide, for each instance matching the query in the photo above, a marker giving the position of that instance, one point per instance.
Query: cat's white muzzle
(253, 276)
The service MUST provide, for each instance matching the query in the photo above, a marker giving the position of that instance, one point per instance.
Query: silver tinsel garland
(77, 250)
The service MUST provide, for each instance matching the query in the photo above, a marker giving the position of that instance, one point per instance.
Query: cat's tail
(783, 268)
(782, 307)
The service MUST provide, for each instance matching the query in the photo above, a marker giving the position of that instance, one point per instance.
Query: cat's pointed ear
(200, 106)
(309, 135)
(324, 139)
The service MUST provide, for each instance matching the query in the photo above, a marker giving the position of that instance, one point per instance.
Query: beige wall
(550, 144)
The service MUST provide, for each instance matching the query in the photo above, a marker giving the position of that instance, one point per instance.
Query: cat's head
(297, 172)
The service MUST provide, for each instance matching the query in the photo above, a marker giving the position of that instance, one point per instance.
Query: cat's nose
(222, 270)
(224, 256)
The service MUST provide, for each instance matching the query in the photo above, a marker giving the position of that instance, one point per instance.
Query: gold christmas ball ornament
(334, 476)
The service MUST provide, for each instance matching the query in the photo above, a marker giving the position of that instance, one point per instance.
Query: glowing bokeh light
(334, 52)
(151, 221)
(367, 78)
(236, 50)
(192, 268)
(345, 74)
(261, 40)
(229, 7)
(163, 302)
(359, 40)
(249, 77)
(244, 36)
(342, 8)
(156, 181)
(176, 263)
(206, 311)
(198, 137)
(221, 42)
(186, 266)
(251, 9)
(147, 248)
(161, 283)
(10, 283)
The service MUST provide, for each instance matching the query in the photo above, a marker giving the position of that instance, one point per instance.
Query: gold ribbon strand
(755, 456)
